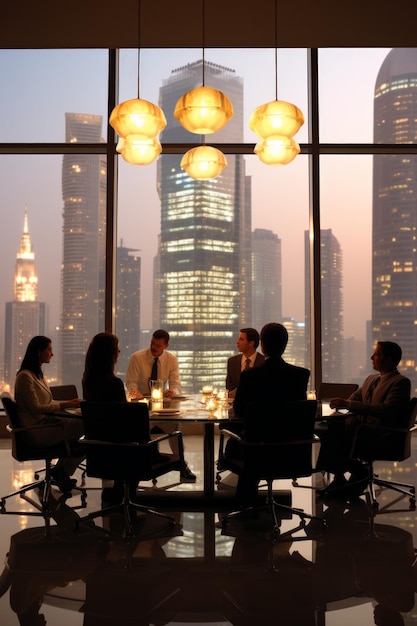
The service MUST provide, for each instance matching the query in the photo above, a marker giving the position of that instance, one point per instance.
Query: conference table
(192, 409)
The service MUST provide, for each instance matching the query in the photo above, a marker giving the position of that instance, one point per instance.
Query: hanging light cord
(204, 38)
(276, 49)
(139, 25)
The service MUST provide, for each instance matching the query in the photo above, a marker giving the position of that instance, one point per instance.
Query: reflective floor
(200, 572)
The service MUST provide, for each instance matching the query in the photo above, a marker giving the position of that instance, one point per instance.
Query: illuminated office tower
(83, 262)
(205, 257)
(25, 315)
(295, 350)
(128, 266)
(266, 278)
(394, 228)
(331, 279)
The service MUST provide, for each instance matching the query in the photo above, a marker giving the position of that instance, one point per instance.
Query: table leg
(208, 458)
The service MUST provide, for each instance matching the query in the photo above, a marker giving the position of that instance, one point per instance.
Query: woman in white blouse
(36, 406)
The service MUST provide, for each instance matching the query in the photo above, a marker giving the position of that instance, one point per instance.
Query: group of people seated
(382, 399)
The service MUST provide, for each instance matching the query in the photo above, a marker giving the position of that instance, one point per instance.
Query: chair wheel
(36, 475)
(412, 504)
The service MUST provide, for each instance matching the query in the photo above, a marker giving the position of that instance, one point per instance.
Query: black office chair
(384, 443)
(119, 447)
(277, 444)
(23, 449)
(64, 392)
(61, 393)
(327, 391)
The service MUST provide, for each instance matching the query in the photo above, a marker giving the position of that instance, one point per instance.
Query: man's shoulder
(235, 357)
(139, 353)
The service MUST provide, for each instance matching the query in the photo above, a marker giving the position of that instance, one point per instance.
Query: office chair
(327, 391)
(277, 445)
(61, 393)
(64, 392)
(374, 442)
(119, 447)
(23, 449)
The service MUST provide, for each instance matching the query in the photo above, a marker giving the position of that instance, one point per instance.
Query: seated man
(154, 363)
(247, 343)
(383, 399)
(285, 381)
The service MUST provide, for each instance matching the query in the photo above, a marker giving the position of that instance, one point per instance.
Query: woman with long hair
(100, 384)
(36, 406)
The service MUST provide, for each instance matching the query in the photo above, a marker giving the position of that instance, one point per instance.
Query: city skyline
(281, 207)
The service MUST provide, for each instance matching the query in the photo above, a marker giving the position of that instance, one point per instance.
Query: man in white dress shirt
(156, 363)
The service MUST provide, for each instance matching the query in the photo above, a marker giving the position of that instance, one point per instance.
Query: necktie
(154, 372)
(371, 389)
(247, 365)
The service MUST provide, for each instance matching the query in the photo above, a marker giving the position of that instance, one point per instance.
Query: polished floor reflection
(202, 572)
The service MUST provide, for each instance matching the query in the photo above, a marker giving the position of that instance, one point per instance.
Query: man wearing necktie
(154, 363)
(382, 399)
(247, 344)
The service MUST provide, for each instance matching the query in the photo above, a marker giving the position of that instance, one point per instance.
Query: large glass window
(204, 259)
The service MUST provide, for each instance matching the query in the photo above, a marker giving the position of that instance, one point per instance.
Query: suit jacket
(234, 369)
(273, 379)
(389, 400)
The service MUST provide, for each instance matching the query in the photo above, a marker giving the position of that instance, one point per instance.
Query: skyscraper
(25, 315)
(205, 260)
(394, 218)
(128, 266)
(266, 278)
(83, 264)
(331, 278)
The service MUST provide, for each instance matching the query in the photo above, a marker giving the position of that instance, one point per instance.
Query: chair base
(128, 509)
(43, 508)
(275, 508)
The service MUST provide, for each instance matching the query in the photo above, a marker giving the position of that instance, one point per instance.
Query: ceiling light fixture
(203, 162)
(276, 122)
(138, 122)
(203, 110)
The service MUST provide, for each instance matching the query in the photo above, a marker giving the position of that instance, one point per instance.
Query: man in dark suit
(275, 377)
(247, 343)
(382, 399)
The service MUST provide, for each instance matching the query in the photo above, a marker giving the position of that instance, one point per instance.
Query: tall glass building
(204, 280)
(394, 229)
(266, 277)
(25, 315)
(331, 277)
(128, 267)
(83, 263)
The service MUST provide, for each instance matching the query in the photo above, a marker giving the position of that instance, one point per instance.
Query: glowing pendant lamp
(203, 162)
(137, 116)
(276, 122)
(139, 149)
(203, 110)
(276, 118)
(277, 150)
(138, 122)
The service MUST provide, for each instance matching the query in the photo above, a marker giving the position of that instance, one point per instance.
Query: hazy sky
(43, 85)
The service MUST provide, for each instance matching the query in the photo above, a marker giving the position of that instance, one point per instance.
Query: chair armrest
(231, 434)
(23, 429)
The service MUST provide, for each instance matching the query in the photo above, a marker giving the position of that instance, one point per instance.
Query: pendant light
(276, 122)
(138, 122)
(203, 162)
(277, 150)
(203, 110)
(139, 149)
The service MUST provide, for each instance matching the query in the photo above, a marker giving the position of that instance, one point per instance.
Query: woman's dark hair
(101, 356)
(31, 360)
